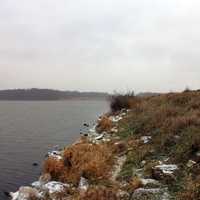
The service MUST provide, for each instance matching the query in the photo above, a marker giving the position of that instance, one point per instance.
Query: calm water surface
(29, 129)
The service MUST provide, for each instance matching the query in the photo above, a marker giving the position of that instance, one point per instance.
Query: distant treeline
(48, 94)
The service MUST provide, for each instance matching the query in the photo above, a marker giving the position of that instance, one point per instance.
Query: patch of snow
(143, 163)
(115, 119)
(106, 139)
(114, 130)
(99, 137)
(25, 193)
(93, 130)
(145, 139)
(166, 159)
(167, 169)
(123, 194)
(165, 196)
(55, 155)
(54, 186)
(149, 181)
(123, 114)
(138, 172)
(160, 162)
(37, 184)
(83, 184)
(14, 195)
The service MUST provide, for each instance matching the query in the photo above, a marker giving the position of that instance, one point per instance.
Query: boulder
(164, 172)
(25, 193)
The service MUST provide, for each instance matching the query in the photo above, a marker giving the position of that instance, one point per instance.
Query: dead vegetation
(135, 183)
(173, 122)
(99, 193)
(84, 159)
(191, 192)
(105, 124)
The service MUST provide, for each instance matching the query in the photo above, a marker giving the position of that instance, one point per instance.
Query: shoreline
(103, 133)
(38, 188)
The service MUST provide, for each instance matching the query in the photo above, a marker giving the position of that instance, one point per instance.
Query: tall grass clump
(84, 159)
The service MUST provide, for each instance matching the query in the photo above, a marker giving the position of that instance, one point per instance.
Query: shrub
(119, 101)
(54, 167)
(89, 160)
(105, 124)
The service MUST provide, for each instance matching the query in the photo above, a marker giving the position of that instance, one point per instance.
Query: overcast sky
(100, 45)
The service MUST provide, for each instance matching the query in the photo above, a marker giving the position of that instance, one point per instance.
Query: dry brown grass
(192, 191)
(89, 160)
(135, 183)
(105, 124)
(179, 123)
(120, 147)
(100, 193)
(54, 167)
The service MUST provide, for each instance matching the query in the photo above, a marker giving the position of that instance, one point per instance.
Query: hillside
(146, 148)
(47, 94)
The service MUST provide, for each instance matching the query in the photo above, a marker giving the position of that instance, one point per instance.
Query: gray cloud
(100, 45)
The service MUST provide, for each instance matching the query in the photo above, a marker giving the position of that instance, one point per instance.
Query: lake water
(28, 130)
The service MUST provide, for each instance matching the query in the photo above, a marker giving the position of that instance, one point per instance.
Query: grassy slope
(173, 122)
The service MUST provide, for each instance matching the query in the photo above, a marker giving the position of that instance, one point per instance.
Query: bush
(89, 160)
(54, 167)
(119, 101)
(105, 124)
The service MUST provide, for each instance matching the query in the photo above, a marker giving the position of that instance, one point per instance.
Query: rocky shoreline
(46, 188)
